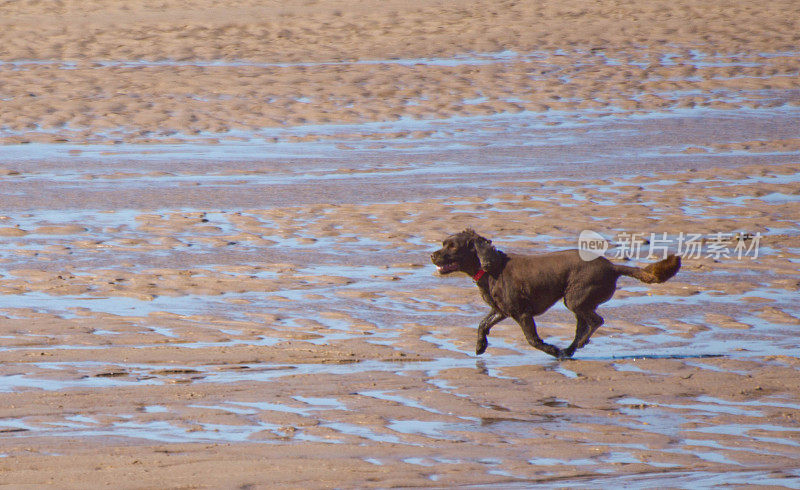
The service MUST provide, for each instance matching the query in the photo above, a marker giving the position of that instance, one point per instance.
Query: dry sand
(216, 223)
(102, 71)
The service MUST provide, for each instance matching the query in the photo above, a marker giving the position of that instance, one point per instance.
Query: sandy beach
(216, 225)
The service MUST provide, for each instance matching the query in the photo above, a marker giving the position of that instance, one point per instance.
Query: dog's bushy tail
(654, 273)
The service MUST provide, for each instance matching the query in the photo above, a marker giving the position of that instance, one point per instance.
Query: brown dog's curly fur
(524, 286)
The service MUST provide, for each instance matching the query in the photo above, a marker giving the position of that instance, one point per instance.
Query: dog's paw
(565, 353)
(481, 346)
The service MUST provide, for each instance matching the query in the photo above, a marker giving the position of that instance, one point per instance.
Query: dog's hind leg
(493, 318)
(582, 302)
(581, 333)
(529, 329)
(594, 321)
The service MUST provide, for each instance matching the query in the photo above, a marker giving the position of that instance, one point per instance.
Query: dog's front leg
(493, 318)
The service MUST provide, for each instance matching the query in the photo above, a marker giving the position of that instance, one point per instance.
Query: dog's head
(468, 252)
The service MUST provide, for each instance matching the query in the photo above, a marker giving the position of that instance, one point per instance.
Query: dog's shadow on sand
(556, 364)
(482, 368)
(635, 357)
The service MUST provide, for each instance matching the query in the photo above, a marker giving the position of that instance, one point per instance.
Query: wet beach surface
(240, 293)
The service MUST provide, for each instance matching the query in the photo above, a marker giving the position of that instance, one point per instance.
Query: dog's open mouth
(447, 268)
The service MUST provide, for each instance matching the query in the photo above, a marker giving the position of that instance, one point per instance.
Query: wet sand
(216, 227)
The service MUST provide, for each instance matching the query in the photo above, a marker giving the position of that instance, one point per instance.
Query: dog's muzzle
(447, 268)
(443, 266)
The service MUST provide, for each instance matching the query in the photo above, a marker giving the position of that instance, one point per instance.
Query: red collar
(478, 275)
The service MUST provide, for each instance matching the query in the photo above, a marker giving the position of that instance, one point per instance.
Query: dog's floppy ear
(491, 259)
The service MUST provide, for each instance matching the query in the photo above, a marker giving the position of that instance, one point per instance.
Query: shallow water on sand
(216, 223)
(288, 289)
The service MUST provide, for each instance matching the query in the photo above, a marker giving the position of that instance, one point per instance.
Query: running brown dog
(523, 286)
